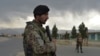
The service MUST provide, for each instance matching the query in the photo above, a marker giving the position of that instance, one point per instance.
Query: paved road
(70, 51)
(14, 45)
(10, 47)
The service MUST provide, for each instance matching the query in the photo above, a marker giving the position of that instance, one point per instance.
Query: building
(92, 34)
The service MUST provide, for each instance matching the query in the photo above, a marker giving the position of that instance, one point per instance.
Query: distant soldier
(79, 42)
(36, 41)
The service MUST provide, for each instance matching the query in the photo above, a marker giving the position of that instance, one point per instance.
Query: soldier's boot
(77, 48)
(77, 51)
(81, 49)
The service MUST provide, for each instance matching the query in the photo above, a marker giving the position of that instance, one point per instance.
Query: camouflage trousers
(79, 47)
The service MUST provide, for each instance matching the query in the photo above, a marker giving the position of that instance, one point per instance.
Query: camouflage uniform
(79, 44)
(35, 41)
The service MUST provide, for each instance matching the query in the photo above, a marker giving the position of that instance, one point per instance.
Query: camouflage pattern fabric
(35, 41)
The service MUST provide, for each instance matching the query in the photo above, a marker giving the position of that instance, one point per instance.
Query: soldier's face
(43, 18)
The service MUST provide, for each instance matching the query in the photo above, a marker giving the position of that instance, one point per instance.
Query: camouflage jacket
(79, 40)
(35, 41)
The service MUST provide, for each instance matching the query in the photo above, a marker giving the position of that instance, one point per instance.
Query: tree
(73, 32)
(54, 32)
(86, 36)
(66, 36)
(84, 32)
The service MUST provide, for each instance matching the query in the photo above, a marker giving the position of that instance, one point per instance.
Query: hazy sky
(64, 13)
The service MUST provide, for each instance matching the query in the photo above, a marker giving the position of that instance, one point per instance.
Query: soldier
(79, 42)
(36, 41)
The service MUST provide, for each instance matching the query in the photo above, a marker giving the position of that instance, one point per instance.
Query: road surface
(14, 45)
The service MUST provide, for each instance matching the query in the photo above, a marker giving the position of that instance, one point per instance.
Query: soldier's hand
(54, 43)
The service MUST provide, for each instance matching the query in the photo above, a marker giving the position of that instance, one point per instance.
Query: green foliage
(73, 32)
(66, 36)
(83, 30)
(54, 32)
